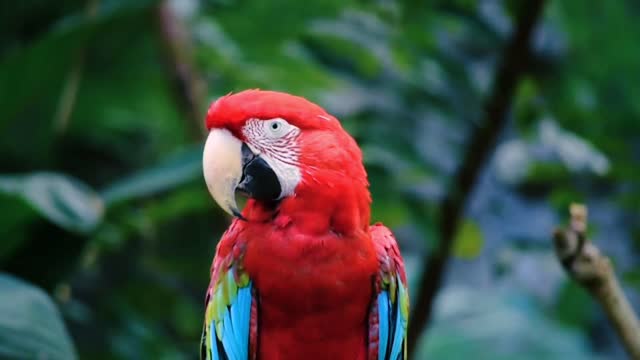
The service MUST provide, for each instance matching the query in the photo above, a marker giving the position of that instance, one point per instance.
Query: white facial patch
(275, 140)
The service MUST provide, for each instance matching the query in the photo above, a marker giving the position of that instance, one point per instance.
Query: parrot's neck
(342, 208)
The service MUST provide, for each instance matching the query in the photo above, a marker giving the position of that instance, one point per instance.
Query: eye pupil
(275, 126)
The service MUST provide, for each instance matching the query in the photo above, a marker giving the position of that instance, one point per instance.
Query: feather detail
(253, 325)
(213, 343)
(392, 297)
(374, 326)
(400, 326)
(227, 315)
(383, 315)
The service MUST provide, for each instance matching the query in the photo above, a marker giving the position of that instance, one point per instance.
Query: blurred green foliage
(30, 322)
(102, 204)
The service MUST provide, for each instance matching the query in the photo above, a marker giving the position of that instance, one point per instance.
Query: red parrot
(300, 273)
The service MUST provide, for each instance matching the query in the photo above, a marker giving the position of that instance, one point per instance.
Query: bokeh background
(107, 231)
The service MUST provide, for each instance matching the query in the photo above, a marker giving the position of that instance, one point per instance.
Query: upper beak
(230, 165)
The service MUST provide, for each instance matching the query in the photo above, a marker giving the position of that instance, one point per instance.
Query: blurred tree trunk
(481, 145)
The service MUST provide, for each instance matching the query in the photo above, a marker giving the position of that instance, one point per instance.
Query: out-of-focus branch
(481, 145)
(70, 91)
(593, 271)
(189, 88)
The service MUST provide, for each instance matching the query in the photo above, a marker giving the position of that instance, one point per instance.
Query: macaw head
(286, 153)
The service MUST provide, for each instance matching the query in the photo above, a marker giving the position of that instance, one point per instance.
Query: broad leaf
(30, 323)
(61, 199)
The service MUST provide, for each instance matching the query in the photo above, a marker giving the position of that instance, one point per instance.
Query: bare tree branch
(482, 143)
(593, 271)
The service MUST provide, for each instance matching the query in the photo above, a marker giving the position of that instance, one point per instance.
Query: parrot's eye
(277, 127)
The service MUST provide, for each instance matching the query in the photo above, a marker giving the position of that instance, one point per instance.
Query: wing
(231, 313)
(390, 311)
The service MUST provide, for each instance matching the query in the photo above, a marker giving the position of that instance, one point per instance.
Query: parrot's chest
(314, 295)
(305, 275)
(320, 288)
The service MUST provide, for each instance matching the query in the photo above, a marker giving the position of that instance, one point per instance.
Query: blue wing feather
(213, 346)
(231, 320)
(228, 337)
(398, 333)
(383, 326)
(392, 324)
(232, 341)
(243, 308)
(234, 319)
(235, 337)
(392, 296)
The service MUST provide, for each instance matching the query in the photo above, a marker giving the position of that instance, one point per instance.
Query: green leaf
(176, 170)
(468, 242)
(63, 200)
(30, 323)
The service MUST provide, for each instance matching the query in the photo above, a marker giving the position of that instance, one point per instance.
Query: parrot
(300, 273)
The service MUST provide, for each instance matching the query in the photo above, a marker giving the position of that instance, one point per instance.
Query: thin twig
(189, 87)
(482, 143)
(593, 271)
(70, 91)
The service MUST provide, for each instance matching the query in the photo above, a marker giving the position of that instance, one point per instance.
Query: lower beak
(230, 165)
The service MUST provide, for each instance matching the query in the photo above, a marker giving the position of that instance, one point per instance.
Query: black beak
(258, 180)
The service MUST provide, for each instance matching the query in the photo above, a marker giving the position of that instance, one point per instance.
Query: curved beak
(229, 165)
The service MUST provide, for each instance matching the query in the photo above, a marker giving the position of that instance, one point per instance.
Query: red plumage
(315, 262)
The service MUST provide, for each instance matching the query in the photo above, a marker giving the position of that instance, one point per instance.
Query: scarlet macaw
(300, 273)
